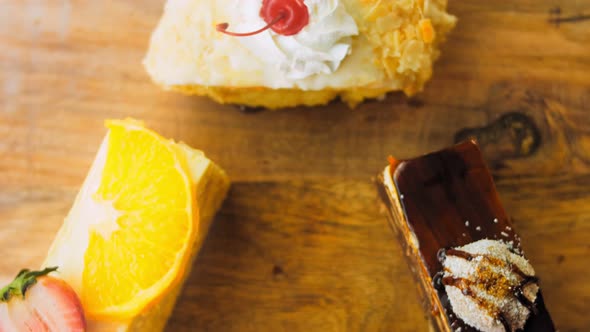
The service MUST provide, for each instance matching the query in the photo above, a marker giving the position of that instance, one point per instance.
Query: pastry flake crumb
(427, 30)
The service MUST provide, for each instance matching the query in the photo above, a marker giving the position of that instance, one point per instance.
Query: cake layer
(445, 200)
(280, 98)
(129, 208)
(348, 44)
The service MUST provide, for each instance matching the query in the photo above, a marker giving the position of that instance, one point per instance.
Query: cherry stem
(222, 27)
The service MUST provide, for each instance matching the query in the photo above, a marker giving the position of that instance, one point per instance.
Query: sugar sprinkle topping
(483, 280)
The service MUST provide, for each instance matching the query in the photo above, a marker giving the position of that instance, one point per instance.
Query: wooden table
(301, 243)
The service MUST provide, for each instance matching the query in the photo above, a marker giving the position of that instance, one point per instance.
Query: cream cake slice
(281, 53)
(129, 241)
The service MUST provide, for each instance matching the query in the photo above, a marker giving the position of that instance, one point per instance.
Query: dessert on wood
(130, 238)
(461, 245)
(281, 53)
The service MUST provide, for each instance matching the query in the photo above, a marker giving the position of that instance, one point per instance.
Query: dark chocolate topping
(459, 253)
(444, 190)
(504, 322)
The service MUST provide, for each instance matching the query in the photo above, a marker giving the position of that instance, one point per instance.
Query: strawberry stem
(23, 280)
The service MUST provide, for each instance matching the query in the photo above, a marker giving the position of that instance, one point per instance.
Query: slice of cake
(280, 53)
(130, 238)
(461, 245)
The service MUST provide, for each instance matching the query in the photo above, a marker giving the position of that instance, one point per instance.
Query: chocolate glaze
(458, 253)
(504, 322)
(462, 284)
(442, 191)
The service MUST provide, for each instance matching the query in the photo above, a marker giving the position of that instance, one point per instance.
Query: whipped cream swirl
(318, 48)
(489, 287)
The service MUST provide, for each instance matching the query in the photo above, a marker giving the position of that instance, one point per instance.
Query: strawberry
(37, 302)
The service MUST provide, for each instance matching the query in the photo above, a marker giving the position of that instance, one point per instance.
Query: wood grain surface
(301, 243)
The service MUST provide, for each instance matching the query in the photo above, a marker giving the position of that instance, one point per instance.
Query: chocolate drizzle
(442, 190)
(461, 283)
(518, 290)
(504, 322)
(521, 274)
(465, 284)
(518, 293)
(459, 253)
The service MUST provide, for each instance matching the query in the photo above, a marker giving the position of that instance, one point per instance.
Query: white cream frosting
(495, 286)
(318, 48)
(185, 48)
(334, 51)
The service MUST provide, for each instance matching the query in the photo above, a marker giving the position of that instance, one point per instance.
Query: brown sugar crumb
(494, 283)
(483, 281)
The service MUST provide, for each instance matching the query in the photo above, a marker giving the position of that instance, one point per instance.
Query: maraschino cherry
(285, 17)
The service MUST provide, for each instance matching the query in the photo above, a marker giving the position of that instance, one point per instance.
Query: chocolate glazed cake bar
(461, 245)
